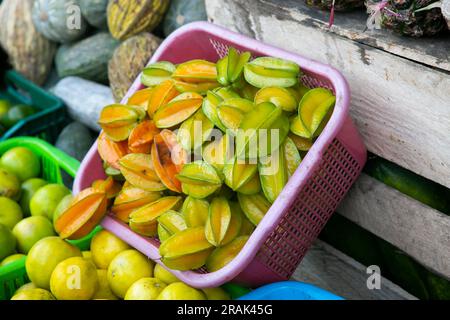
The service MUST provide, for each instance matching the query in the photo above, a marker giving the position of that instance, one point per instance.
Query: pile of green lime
(28, 204)
(11, 114)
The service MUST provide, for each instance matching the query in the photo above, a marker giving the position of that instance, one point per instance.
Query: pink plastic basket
(295, 219)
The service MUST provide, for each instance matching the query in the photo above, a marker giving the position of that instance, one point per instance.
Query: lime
(46, 199)
(7, 242)
(12, 258)
(62, 206)
(145, 289)
(105, 246)
(74, 279)
(33, 294)
(10, 212)
(9, 185)
(22, 162)
(26, 286)
(30, 230)
(104, 291)
(125, 269)
(44, 256)
(5, 105)
(15, 114)
(216, 294)
(165, 276)
(29, 187)
(181, 291)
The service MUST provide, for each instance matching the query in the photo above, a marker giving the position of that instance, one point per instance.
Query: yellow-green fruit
(29, 187)
(46, 199)
(104, 291)
(7, 242)
(11, 259)
(88, 256)
(216, 294)
(10, 212)
(9, 185)
(165, 276)
(74, 279)
(26, 286)
(30, 230)
(44, 256)
(22, 162)
(62, 206)
(33, 294)
(181, 291)
(105, 246)
(145, 289)
(126, 268)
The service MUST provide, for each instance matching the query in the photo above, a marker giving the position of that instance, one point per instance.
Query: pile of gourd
(101, 41)
(202, 198)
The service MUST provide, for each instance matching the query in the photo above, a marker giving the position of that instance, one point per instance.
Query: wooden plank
(420, 231)
(401, 108)
(334, 271)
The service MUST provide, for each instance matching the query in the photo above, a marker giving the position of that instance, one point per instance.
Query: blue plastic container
(289, 290)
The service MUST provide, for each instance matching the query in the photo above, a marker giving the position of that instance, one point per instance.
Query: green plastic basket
(53, 162)
(50, 118)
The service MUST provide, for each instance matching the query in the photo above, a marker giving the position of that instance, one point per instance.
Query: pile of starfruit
(198, 156)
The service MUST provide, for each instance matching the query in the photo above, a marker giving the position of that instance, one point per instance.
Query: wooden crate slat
(402, 108)
(334, 271)
(418, 230)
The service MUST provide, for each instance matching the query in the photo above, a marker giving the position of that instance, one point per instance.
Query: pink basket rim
(296, 182)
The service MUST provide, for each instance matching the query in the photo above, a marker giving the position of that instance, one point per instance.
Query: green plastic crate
(51, 115)
(53, 162)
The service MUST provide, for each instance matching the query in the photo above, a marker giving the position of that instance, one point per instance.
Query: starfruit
(222, 256)
(85, 212)
(177, 110)
(168, 157)
(138, 170)
(231, 111)
(199, 179)
(111, 151)
(299, 90)
(219, 152)
(291, 156)
(218, 221)
(194, 131)
(141, 137)
(234, 228)
(212, 100)
(118, 120)
(302, 144)
(144, 220)
(254, 206)
(130, 199)
(230, 68)
(108, 186)
(186, 250)
(271, 72)
(298, 128)
(161, 95)
(256, 130)
(238, 172)
(253, 186)
(247, 227)
(196, 71)
(248, 91)
(314, 108)
(195, 211)
(273, 174)
(281, 97)
(200, 88)
(170, 223)
(157, 73)
(141, 98)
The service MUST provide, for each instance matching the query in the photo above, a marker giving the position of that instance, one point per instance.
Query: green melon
(182, 12)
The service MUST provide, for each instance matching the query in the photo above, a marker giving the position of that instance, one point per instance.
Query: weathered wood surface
(402, 108)
(420, 231)
(333, 271)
